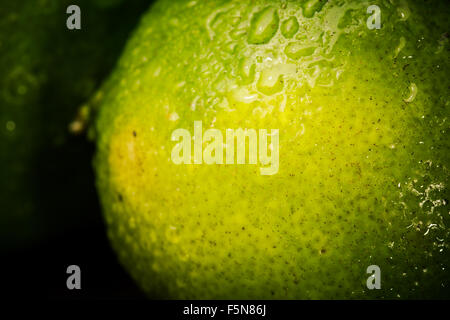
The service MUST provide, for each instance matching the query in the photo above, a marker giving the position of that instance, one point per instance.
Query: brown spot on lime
(134, 133)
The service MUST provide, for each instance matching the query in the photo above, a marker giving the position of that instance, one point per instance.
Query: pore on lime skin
(362, 180)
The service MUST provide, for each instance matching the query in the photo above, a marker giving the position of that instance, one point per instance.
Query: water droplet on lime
(289, 27)
(263, 26)
(296, 50)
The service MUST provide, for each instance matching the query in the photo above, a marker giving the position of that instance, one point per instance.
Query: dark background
(50, 216)
(39, 271)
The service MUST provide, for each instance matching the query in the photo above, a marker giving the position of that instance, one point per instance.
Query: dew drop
(295, 50)
(157, 72)
(243, 95)
(311, 7)
(413, 92)
(404, 13)
(263, 26)
(247, 70)
(270, 81)
(230, 47)
(289, 27)
(191, 4)
(237, 33)
(174, 116)
(180, 84)
(400, 47)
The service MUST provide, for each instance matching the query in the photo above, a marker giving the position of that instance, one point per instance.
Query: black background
(39, 271)
(61, 181)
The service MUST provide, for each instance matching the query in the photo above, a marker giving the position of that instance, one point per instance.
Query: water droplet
(263, 26)
(237, 33)
(191, 4)
(230, 47)
(243, 95)
(400, 47)
(180, 84)
(174, 116)
(311, 7)
(247, 70)
(157, 72)
(295, 50)
(270, 81)
(215, 19)
(412, 93)
(289, 27)
(404, 12)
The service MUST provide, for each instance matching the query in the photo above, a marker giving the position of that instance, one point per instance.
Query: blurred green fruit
(364, 150)
(46, 73)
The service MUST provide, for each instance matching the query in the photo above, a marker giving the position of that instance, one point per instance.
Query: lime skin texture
(364, 151)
